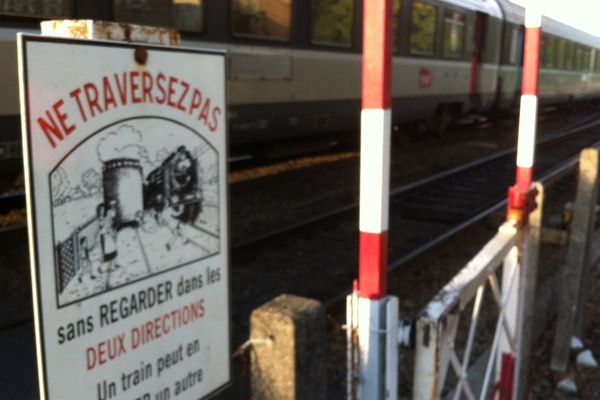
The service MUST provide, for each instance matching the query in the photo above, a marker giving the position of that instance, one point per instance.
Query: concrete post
(574, 275)
(288, 360)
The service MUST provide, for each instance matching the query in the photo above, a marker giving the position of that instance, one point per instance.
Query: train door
(479, 39)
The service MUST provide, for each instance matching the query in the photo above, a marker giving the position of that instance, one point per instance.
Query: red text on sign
(105, 351)
(55, 125)
(124, 89)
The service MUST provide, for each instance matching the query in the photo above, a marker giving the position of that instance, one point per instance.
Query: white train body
(301, 86)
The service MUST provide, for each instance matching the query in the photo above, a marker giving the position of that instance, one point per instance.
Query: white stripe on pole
(527, 126)
(374, 170)
(511, 290)
(533, 15)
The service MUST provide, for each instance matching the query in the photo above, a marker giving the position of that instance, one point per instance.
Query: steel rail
(586, 123)
(548, 178)
(14, 200)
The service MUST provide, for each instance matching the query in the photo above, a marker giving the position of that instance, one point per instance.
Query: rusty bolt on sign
(140, 55)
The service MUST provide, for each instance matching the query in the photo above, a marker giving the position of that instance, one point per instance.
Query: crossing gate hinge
(406, 333)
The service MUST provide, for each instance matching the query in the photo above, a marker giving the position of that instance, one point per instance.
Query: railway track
(320, 252)
(467, 194)
(462, 190)
(318, 258)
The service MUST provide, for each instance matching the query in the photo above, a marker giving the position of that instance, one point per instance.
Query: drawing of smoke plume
(208, 167)
(125, 142)
(161, 155)
(208, 172)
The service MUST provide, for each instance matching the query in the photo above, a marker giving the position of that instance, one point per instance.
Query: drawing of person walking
(174, 225)
(84, 259)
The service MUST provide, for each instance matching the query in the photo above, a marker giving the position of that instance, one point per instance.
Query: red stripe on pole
(531, 61)
(524, 178)
(377, 52)
(372, 267)
(507, 376)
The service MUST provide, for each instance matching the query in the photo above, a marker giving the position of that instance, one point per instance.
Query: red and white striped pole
(518, 203)
(374, 195)
(375, 148)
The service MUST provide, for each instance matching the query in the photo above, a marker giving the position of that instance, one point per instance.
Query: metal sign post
(521, 201)
(126, 177)
(373, 315)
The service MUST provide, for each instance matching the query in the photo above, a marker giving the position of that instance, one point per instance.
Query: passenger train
(295, 65)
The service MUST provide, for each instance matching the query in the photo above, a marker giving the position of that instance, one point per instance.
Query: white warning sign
(125, 156)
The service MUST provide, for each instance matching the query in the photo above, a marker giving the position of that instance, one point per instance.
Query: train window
(397, 27)
(561, 53)
(548, 51)
(422, 29)
(39, 8)
(265, 19)
(597, 61)
(579, 58)
(570, 61)
(491, 46)
(185, 15)
(454, 34)
(332, 22)
(515, 45)
(543, 45)
(587, 55)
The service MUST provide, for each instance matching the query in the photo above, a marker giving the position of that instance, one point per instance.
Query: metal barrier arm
(438, 322)
(463, 287)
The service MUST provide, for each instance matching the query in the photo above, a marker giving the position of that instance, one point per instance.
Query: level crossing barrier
(506, 267)
(438, 324)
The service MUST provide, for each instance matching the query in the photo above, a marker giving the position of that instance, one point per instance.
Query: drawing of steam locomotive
(175, 184)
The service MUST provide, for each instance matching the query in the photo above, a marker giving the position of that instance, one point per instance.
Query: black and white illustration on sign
(136, 199)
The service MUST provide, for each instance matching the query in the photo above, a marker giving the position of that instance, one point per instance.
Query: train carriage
(295, 65)
(569, 60)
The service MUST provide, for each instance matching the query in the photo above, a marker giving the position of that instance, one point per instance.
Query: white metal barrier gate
(437, 325)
